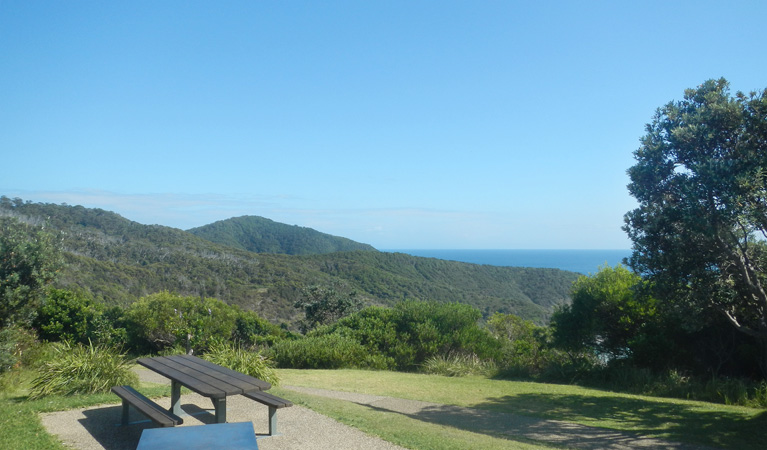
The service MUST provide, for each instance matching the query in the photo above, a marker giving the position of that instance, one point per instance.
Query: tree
(607, 313)
(29, 260)
(699, 231)
(523, 344)
(74, 316)
(165, 319)
(324, 306)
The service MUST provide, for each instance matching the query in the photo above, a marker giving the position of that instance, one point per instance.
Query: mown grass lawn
(730, 427)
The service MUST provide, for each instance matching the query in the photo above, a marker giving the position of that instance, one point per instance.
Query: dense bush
(251, 330)
(325, 305)
(80, 369)
(525, 348)
(412, 332)
(326, 352)
(74, 316)
(237, 358)
(14, 343)
(29, 261)
(164, 321)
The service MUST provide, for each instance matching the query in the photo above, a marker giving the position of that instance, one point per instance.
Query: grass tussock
(458, 365)
(81, 369)
(242, 360)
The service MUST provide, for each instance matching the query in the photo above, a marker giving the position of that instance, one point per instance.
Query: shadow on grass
(525, 428)
(684, 422)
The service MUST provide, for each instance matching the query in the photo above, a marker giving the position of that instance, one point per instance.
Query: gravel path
(96, 428)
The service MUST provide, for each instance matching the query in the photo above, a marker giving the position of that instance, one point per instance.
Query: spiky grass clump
(457, 365)
(80, 369)
(242, 360)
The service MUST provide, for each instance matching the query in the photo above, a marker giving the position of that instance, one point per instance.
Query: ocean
(581, 261)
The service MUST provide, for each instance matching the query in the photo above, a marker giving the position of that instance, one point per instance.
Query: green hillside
(119, 260)
(262, 235)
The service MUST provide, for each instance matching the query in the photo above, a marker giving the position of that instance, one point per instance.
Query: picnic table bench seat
(273, 402)
(153, 411)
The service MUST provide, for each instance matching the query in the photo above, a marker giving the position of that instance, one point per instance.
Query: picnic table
(219, 436)
(205, 378)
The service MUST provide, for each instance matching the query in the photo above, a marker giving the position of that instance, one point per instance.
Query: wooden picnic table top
(204, 377)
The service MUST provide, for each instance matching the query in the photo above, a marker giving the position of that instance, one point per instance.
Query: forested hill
(262, 235)
(119, 260)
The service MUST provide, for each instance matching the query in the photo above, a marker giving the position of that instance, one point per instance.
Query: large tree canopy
(700, 228)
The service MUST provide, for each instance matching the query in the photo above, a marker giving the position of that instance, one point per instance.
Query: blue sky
(402, 124)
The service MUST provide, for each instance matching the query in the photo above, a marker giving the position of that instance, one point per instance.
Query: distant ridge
(117, 261)
(262, 235)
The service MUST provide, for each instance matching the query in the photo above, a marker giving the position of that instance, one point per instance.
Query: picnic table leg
(126, 413)
(272, 421)
(220, 405)
(175, 398)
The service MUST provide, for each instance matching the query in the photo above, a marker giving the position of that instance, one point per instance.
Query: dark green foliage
(261, 235)
(608, 312)
(411, 332)
(73, 316)
(118, 261)
(700, 179)
(324, 306)
(525, 347)
(392, 277)
(431, 328)
(165, 320)
(15, 342)
(251, 330)
(614, 326)
(29, 260)
(325, 352)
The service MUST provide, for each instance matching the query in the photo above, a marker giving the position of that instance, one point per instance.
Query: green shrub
(458, 365)
(163, 320)
(29, 262)
(242, 360)
(14, 343)
(525, 351)
(72, 316)
(252, 330)
(433, 328)
(413, 331)
(326, 352)
(79, 369)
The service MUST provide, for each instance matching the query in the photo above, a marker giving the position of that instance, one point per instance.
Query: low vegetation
(238, 358)
(79, 369)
